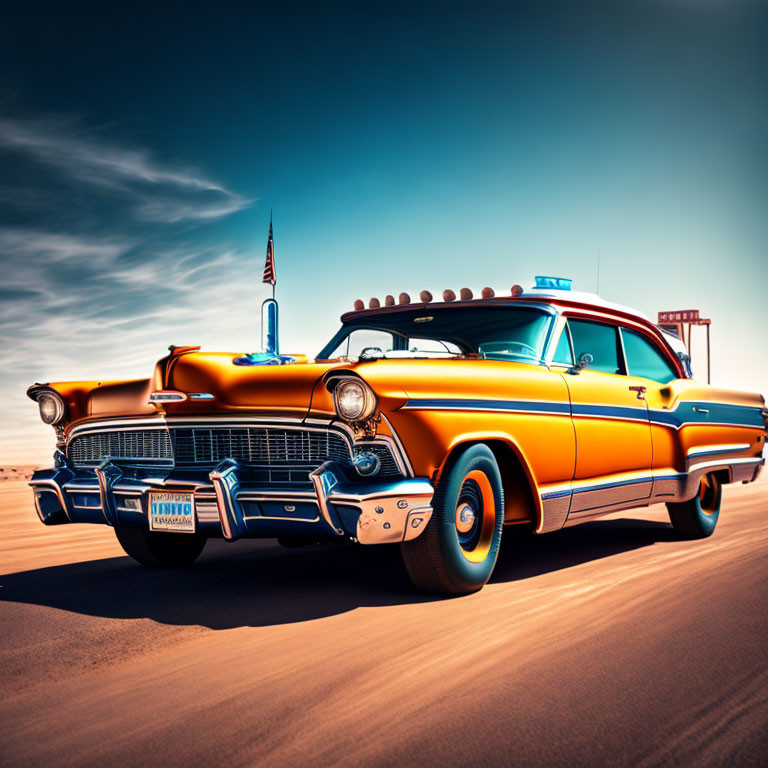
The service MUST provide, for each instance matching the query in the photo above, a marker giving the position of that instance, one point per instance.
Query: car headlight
(354, 401)
(51, 407)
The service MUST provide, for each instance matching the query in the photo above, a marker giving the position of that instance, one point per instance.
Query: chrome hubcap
(465, 518)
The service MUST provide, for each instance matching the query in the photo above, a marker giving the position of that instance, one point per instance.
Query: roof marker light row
(404, 299)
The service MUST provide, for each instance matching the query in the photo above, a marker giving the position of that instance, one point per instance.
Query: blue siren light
(558, 283)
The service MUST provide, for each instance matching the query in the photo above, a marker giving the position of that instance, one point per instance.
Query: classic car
(430, 424)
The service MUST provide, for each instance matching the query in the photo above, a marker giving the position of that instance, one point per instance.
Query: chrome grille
(258, 446)
(273, 454)
(150, 446)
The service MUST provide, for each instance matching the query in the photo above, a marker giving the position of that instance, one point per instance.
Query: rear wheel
(457, 552)
(160, 550)
(697, 517)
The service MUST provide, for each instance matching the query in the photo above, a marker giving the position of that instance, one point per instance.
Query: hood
(286, 390)
(269, 389)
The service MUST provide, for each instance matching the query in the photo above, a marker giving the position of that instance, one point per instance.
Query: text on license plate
(171, 511)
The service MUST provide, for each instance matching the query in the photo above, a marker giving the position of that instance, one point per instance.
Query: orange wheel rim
(475, 516)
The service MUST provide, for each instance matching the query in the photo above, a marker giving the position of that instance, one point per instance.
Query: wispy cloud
(173, 211)
(53, 247)
(80, 155)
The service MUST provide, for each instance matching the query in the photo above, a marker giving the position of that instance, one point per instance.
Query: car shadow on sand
(259, 583)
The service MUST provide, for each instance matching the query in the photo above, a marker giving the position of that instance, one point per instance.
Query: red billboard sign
(679, 316)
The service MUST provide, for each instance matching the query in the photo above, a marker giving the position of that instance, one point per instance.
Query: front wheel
(697, 517)
(457, 552)
(160, 550)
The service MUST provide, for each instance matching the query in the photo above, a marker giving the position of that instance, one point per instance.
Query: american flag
(270, 276)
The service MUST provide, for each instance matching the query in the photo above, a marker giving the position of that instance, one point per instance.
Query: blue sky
(401, 147)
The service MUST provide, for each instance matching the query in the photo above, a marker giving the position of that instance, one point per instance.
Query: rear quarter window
(644, 359)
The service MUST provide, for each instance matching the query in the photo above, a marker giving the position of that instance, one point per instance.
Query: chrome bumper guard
(371, 511)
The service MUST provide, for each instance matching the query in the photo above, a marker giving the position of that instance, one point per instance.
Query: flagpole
(270, 275)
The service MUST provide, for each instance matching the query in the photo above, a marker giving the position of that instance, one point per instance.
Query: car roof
(559, 300)
(583, 304)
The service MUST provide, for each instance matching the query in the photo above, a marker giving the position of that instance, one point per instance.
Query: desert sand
(17, 472)
(612, 643)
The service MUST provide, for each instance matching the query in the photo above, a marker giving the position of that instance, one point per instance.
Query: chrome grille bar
(258, 446)
(150, 446)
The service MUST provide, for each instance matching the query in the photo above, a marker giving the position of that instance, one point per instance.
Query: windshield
(497, 333)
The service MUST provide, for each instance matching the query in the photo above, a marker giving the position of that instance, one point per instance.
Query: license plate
(170, 511)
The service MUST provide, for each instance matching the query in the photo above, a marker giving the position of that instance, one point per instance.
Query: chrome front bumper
(341, 504)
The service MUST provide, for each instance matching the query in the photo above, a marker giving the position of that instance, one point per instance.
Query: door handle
(640, 392)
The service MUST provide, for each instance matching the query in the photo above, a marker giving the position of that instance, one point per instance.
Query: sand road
(611, 643)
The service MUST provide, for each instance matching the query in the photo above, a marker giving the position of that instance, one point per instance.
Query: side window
(644, 359)
(563, 352)
(359, 340)
(599, 340)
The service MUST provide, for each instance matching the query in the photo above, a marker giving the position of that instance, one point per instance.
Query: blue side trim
(709, 413)
(685, 413)
(612, 411)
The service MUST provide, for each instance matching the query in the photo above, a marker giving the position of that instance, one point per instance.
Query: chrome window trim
(625, 363)
(560, 324)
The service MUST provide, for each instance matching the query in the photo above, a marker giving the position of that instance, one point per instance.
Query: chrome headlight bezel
(52, 401)
(354, 400)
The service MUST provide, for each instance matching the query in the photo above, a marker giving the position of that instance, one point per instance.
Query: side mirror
(584, 360)
(686, 361)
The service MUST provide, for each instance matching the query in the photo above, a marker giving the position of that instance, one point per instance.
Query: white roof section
(583, 297)
(678, 345)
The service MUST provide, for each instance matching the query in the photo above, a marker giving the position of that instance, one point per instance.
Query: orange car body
(572, 443)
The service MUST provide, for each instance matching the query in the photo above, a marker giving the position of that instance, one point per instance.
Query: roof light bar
(556, 283)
